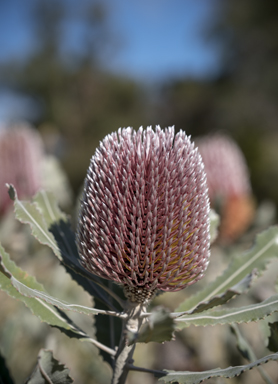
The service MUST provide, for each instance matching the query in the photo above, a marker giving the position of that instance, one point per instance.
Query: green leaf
(265, 248)
(47, 204)
(51, 227)
(28, 213)
(159, 327)
(45, 312)
(49, 370)
(273, 338)
(28, 286)
(246, 314)
(242, 344)
(239, 288)
(247, 352)
(214, 224)
(198, 377)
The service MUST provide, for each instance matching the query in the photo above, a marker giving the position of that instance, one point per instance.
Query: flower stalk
(125, 352)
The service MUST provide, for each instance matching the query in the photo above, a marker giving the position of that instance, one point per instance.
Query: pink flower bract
(144, 217)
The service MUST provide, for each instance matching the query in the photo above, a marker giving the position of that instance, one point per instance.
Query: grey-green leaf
(27, 285)
(28, 213)
(247, 352)
(246, 314)
(265, 248)
(47, 204)
(49, 370)
(159, 328)
(217, 300)
(198, 377)
(51, 227)
(44, 311)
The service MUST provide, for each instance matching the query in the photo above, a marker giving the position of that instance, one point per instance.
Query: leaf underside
(49, 370)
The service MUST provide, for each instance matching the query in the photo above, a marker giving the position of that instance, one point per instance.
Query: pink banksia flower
(144, 216)
(21, 153)
(228, 183)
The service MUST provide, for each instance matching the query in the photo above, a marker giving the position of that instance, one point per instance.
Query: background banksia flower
(228, 183)
(21, 153)
(144, 217)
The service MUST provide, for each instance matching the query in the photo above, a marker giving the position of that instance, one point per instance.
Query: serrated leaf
(44, 311)
(273, 338)
(265, 248)
(28, 213)
(28, 286)
(51, 227)
(49, 370)
(247, 352)
(239, 288)
(214, 224)
(198, 377)
(159, 328)
(47, 204)
(246, 314)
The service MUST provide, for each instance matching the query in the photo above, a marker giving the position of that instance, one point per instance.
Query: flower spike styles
(144, 217)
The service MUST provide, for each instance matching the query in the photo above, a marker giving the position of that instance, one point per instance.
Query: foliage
(51, 227)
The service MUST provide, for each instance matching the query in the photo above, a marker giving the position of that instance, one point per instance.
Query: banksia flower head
(21, 154)
(144, 217)
(228, 183)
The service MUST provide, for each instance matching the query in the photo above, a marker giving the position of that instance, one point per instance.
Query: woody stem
(125, 352)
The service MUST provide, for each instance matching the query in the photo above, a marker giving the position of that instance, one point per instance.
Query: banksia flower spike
(144, 217)
(228, 183)
(21, 154)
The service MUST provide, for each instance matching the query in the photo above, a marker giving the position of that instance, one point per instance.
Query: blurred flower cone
(21, 154)
(228, 183)
(24, 164)
(237, 214)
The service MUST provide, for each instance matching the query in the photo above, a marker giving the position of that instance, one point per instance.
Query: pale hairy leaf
(217, 300)
(246, 314)
(247, 352)
(49, 370)
(265, 248)
(28, 286)
(198, 377)
(44, 311)
(51, 227)
(28, 213)
(47, 204)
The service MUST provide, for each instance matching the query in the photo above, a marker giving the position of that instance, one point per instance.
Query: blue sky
(165, 38)
(158, 38)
